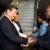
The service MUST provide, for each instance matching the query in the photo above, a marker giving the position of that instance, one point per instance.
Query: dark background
(4, 4)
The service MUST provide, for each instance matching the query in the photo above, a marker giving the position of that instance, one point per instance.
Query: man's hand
(30, 35)
(34, 40)
(30, 40)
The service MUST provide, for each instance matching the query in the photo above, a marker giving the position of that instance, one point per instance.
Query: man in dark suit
(10, 37)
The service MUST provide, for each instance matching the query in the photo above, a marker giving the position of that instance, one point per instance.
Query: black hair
(10, 7)
(42, 16)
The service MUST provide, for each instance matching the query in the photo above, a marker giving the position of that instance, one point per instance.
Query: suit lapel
(13, 27)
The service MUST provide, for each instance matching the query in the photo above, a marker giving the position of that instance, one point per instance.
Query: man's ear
(8, 10)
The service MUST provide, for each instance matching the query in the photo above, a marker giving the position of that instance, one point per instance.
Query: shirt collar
(8, 17)
(44, 22)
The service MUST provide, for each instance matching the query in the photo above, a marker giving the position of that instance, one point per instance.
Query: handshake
(32, 40)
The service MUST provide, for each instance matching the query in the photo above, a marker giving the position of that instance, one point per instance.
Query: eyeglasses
(17, 13)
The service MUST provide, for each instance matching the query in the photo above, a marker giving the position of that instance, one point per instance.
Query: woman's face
(16, 18)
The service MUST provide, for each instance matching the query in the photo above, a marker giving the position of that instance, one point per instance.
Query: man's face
(12, 13)
(48, 12)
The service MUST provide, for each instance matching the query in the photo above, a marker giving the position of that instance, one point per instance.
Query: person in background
(17, 25)
(16, 19)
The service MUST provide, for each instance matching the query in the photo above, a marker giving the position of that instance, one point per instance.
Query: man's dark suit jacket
(10, 37)
(44, 41)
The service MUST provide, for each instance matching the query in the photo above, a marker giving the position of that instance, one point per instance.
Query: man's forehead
(14, 10)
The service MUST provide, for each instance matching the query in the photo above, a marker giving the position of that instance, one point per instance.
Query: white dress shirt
(17, 28)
